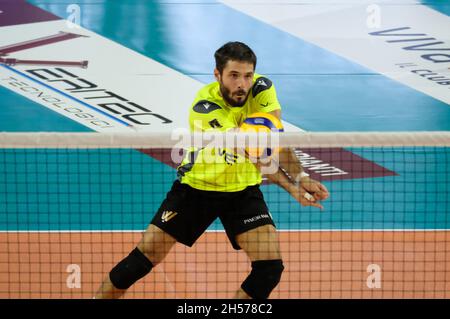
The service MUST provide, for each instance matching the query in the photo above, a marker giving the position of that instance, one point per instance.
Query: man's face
(235, 81)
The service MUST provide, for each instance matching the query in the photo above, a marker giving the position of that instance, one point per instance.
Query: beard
(236, 98)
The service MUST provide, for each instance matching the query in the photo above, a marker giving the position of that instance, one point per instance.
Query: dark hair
(234, 51)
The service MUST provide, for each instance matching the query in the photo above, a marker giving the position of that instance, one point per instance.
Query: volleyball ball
(257, 123)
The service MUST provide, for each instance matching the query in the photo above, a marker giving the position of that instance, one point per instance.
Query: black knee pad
(264, 277)
(130, 269)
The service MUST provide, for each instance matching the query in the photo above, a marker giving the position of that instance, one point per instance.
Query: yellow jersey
(221, 169)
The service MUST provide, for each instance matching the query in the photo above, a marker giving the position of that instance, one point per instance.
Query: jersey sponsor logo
(205, 107)
(215, 124)
(261, 84)
(167, 216)
(229, 157)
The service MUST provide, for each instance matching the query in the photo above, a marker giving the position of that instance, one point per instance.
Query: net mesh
(73, 205)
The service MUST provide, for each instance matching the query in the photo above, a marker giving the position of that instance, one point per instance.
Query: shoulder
(207, 99)
(205, 106)
(260, 84)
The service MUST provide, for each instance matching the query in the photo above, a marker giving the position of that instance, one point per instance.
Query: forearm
(290, 164)
(292, 187)
(280, 178)
(289, 169)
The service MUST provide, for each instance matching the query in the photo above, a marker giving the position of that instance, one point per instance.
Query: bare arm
(291, 177)
(298, 192)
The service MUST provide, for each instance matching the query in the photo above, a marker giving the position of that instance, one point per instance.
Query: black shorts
(187, 212)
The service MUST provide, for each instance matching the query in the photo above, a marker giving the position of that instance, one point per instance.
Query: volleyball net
(72, 205)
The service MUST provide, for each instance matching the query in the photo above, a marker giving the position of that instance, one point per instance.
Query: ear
(217, 74)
